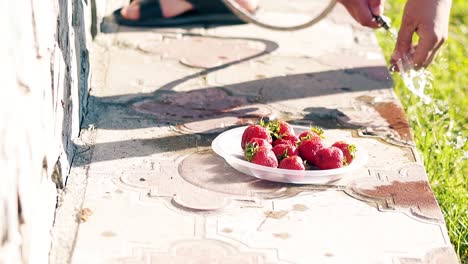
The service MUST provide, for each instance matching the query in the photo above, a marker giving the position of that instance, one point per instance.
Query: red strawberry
(279, 128)
(286, 139)
(259, 142)
(312, 133)
(292, 163)
(308, 149)
(255, 131)
(330, 158)
(261, 156)
(284, 150)
(349, 151)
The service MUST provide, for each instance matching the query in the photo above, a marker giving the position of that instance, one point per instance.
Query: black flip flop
(205, 12)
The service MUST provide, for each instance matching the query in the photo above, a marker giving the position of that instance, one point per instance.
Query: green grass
(441, 128)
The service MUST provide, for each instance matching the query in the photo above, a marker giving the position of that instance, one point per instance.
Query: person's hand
(363, 11)
(429, 19)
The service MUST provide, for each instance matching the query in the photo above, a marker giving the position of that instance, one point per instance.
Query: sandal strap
(150, 9)
(209, 6)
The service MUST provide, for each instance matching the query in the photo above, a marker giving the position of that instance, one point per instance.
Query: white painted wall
(44, 83)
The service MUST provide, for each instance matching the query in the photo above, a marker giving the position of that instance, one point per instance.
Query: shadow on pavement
(124, 116)
(199, 112)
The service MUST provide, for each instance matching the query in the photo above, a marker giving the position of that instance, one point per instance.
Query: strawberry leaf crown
(250, 150)
(274, 128)
(263, 123)
(297, 143)
(285, 154)
(268, 126)
(352, 150)
(308, 136)
(318, 130)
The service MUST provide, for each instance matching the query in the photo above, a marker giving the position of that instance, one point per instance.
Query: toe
(131, 12)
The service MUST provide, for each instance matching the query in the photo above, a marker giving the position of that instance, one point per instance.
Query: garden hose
(249, 18)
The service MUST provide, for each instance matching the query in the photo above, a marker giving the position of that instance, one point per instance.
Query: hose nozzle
(383, 21)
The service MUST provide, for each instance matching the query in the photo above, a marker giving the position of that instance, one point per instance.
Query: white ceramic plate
(228, 146)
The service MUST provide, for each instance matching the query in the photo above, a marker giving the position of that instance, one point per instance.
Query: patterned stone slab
(204, 111)
(197, 251)
(328, 227)
(204, 52)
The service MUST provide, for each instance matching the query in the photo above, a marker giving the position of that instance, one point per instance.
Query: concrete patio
(146, 187)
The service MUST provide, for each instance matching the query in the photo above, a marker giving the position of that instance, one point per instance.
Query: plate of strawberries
(278, 151)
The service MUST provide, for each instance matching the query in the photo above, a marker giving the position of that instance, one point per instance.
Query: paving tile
(333, 229)
(117, 223)
(133, 74)
(222, 50)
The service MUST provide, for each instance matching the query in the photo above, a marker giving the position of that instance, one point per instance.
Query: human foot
(172, 8)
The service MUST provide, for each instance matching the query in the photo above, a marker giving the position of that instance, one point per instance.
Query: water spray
(415, 80)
